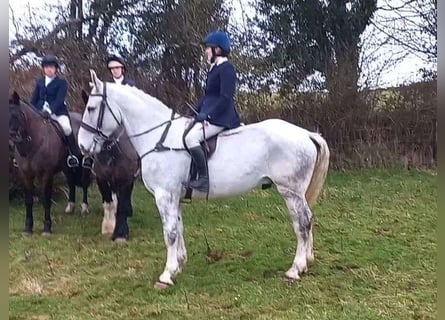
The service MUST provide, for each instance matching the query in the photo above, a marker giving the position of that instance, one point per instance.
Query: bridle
(100, 135)
(103, 105)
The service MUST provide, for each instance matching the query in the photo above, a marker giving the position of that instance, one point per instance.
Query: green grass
(375, 249)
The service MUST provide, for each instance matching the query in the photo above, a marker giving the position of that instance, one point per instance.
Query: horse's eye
(90, 109)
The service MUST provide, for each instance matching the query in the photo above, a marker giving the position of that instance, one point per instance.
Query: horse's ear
(15, 98)
(84, 96)
(94, 79)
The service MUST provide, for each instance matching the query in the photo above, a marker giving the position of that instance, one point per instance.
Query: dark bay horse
(116, 168)
(40, 154)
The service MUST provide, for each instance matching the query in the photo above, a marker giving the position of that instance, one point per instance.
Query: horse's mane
(146, 98)
(24, 103)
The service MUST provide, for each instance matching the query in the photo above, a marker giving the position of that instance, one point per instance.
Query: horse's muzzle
(94, 148)
(83, 149)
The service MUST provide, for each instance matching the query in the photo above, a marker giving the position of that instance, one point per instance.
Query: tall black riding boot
(198, 155)
(73, 157)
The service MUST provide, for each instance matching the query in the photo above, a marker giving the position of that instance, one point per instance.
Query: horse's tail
(320, 169)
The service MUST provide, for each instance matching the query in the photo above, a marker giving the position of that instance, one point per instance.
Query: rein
(160, 144)
(159, 147)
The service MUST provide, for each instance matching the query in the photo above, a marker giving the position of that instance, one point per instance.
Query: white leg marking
(109, 220)
(85, 208)
(70, 207)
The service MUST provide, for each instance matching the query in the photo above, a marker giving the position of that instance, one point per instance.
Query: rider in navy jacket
(54, 94)
(49, 98)
(218, 105)
(216, 110)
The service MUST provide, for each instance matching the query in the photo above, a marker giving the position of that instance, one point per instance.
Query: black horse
(116, 168)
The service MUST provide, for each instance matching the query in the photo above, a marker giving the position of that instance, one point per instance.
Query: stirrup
(87, 163)
(72, 161)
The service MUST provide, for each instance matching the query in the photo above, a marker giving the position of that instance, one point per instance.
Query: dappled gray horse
(294, 159)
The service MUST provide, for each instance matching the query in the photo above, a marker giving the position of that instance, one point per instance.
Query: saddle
(209, 147)
(60, 133)
(58, 128)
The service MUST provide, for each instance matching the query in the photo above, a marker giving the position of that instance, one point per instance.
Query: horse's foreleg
(182, 251)
(47, 184)
(29, 201)
(301, 216)
(109, 219)
(169, 210)
(121, 231)
(129, 206)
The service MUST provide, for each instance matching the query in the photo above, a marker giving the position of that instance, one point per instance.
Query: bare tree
(411, 24)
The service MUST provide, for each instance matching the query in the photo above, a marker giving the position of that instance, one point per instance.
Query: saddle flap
(58, 127)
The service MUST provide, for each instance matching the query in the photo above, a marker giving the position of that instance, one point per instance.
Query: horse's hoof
(46, 234)
(70, 207)
(27, 233)
(290, 281)
(85, 209)
(120, 240)
(161, 285)
(292, 275)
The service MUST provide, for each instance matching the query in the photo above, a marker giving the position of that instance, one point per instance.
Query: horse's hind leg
(301, 217)
(72, 192)
(109, 219)
(85, 208)
(47, 184)
(85, 181)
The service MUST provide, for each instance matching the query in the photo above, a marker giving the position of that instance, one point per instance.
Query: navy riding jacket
(218, 103)
(55, 94)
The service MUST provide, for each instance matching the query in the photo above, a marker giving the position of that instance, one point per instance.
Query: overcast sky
(405, 71)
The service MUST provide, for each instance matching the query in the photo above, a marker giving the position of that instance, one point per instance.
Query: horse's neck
(36, 128)
(149, 108)
(33, 119)
(140, 116)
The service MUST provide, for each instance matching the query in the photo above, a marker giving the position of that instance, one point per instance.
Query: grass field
(375, 250)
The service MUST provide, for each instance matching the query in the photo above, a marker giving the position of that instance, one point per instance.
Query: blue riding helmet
(218, 39)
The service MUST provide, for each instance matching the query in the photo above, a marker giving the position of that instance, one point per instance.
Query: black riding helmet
(50, 60)
(118, 62)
